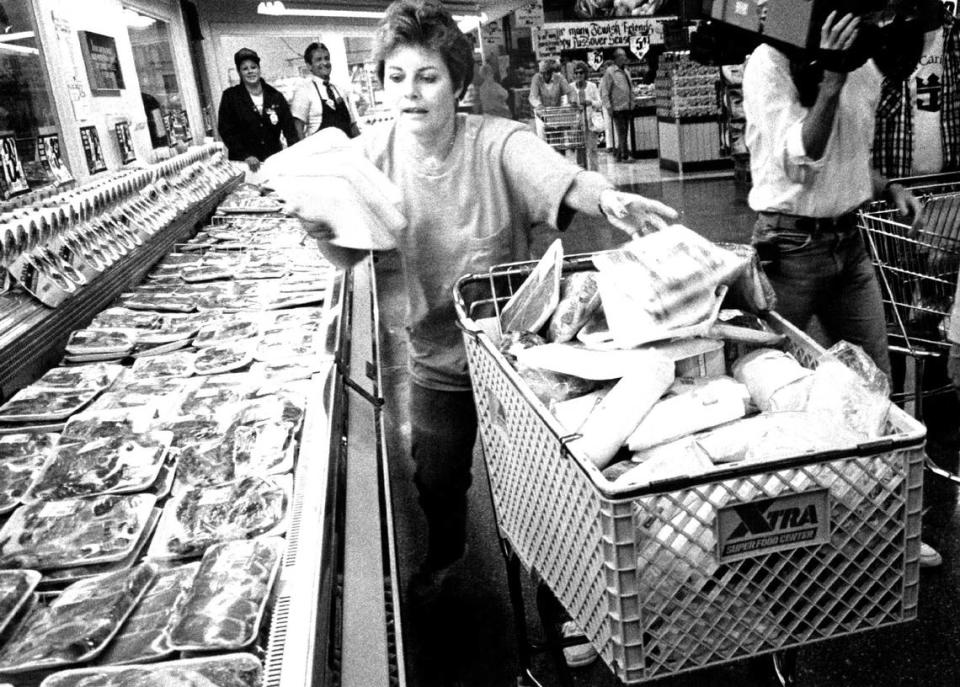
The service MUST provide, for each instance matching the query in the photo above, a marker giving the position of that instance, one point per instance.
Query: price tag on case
(12, 179)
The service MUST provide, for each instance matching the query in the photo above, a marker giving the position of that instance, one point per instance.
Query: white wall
(280, 44)
(59, 21)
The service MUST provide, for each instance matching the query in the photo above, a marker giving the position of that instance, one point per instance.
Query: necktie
(333, 98)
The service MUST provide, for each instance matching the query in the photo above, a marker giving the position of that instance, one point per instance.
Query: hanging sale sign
(13, 181)
(636, 33)
(48, 154)
(492, 34)
(92, 150)
(125, 142)
(529, 14)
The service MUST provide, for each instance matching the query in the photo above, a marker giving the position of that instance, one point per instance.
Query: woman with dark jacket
(253, 114)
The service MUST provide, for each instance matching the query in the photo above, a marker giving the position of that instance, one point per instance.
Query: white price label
(58, 509)
(215, 496)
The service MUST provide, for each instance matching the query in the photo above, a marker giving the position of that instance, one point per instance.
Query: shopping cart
(564, 128)
(643, 573)
(917, 273)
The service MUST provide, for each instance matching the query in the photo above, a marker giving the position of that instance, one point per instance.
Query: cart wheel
(785, 667)
(774, 670)
(527, 680)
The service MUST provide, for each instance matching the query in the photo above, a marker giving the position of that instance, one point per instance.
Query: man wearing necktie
(318, 104)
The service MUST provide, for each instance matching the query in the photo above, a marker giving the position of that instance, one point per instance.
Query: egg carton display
(685, 88)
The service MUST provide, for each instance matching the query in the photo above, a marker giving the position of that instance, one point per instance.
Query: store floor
(467, 638)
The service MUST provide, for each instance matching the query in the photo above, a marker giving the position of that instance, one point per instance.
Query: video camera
(889, 32)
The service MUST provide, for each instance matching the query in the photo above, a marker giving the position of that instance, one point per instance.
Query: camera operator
(810, 131)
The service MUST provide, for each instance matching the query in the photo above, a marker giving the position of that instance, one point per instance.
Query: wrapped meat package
(203, 516)
(71, 532)
(77, 625)
(226, 602)
(579, 299)
(146, 634)
(228, 670)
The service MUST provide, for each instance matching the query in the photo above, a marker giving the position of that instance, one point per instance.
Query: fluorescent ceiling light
(18, 36)
(276, 8)
(470, 22)
(135, 20)
(20, 49)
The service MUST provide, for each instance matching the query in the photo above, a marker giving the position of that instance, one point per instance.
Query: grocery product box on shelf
(718, 546)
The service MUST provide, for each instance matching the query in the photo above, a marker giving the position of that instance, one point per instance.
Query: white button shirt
(784, 178)
(307, 105)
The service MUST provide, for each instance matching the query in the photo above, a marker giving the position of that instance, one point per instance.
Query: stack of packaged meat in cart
(656, 362)
(146, 483)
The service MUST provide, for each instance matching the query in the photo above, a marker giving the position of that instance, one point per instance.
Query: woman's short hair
(425, 23)
(549, 64)
(579, 65)
(308, 53)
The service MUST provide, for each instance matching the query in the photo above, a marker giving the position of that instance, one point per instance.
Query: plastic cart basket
(917, 271)
(640, 572)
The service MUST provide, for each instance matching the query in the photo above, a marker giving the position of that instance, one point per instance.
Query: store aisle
(467, 637)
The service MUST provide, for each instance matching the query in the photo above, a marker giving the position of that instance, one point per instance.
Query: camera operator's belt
(811, 225)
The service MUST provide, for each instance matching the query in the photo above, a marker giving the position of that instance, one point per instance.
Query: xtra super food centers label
(781, 523)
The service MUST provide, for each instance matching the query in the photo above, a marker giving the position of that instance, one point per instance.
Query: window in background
(26, 106)
(157, 75)
(366, 88)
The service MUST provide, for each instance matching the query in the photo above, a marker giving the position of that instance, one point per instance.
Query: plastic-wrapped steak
(61, 534)
(146, 634)
(238, 510)
(226, 602)
(77, 625)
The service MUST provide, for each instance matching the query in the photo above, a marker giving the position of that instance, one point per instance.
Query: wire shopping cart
(917, 272)
(564, 128)
(649, 574)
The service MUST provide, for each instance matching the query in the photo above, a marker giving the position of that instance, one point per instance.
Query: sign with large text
(552, 39)
(529, 14)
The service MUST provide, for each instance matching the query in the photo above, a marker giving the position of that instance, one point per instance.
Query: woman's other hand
(632, 213)
(253, 163)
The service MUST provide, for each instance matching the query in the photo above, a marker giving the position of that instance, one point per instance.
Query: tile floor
(468, 640)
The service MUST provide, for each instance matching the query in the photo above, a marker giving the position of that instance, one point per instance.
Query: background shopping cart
(563, 128)
(640, 573)
(917, 273)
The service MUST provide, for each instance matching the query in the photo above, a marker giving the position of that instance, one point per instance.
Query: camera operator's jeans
(828, 275)
(443, 432)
